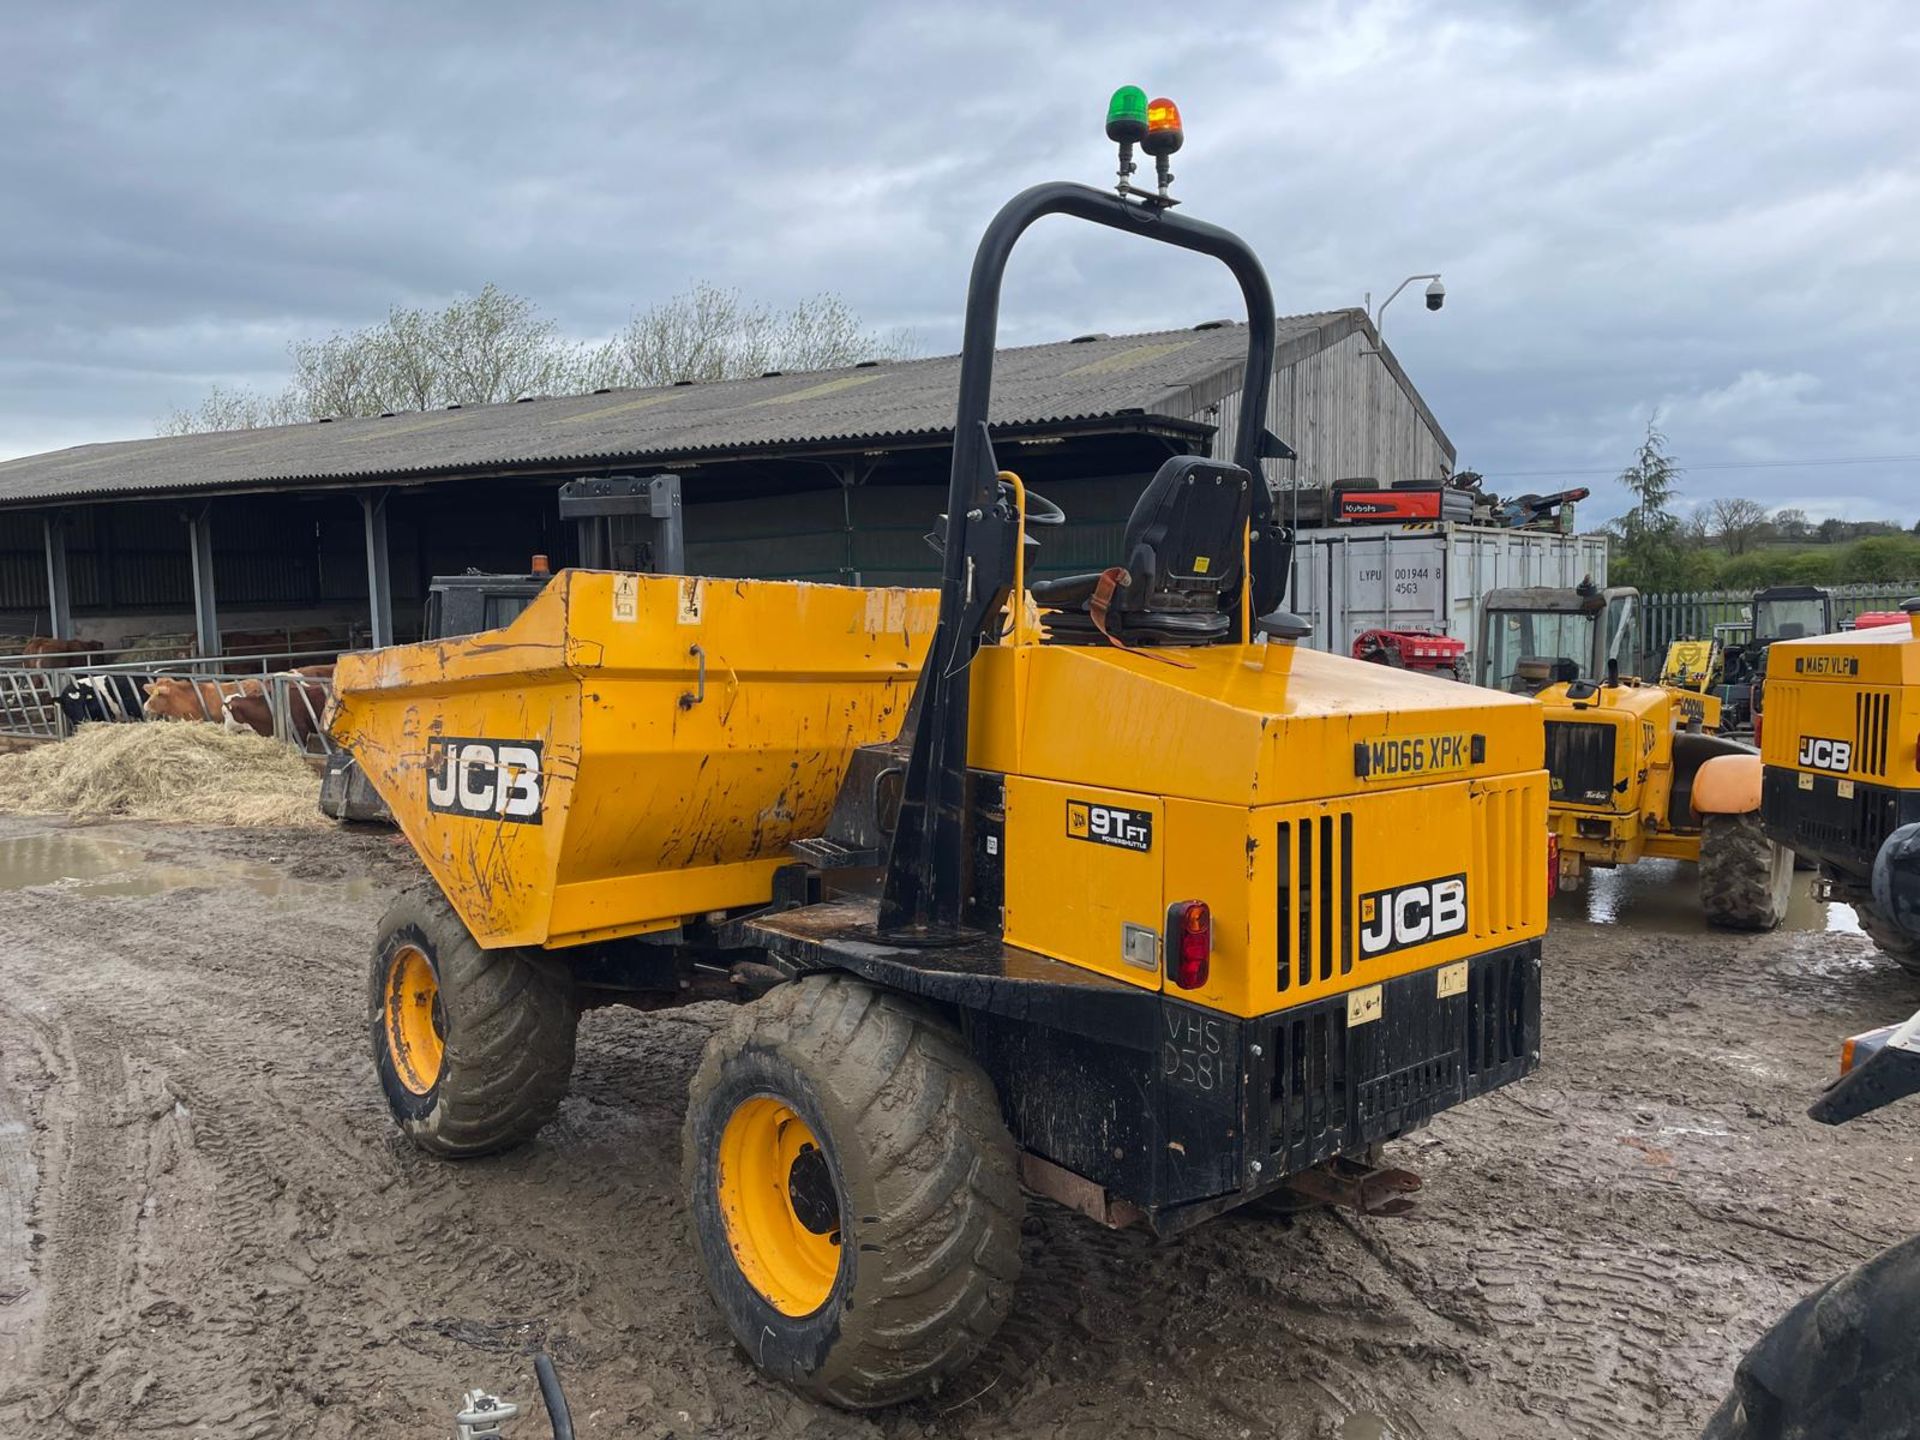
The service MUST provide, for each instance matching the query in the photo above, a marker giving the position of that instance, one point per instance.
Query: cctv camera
(1436, 295)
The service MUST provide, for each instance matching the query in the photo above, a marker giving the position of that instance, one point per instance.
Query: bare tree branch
(495, 346)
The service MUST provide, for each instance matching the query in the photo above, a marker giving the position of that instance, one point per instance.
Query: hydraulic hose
(558, 1416)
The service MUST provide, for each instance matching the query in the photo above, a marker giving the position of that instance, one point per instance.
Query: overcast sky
(1709, 209)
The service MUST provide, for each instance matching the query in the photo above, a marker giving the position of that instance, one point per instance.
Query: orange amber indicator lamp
(1164, 135)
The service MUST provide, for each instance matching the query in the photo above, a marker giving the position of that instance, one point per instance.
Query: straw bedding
(163, 771)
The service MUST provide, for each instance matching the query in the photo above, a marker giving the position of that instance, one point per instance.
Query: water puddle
(1664, 896)
(86, 865)
(1362, 1426)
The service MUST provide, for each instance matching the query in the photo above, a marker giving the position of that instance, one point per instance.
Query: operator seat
(1183, 558)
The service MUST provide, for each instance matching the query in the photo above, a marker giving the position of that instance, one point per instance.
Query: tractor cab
(1535, 636)
(1781, 612)
(1791, 612)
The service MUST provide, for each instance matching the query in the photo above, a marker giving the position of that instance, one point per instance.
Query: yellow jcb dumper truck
(1840, 736)
(1634, 774)
(1099, 887)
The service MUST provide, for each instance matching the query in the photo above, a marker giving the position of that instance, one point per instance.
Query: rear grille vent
(1314, 860)
(1500, 849)
(1580, 761)
(1497, 995)
(1779, 732)
(1871, 711)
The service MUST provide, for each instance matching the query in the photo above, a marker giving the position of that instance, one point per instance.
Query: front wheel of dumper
(854, 1192)
(474, 1048)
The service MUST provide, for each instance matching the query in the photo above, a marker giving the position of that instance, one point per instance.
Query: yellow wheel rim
(416, 1025)
(779, 1205)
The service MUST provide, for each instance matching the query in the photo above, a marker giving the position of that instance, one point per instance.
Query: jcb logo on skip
(494, 779)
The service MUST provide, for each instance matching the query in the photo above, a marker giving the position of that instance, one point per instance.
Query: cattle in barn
(50, 652)
(177, 697)
(117, 698)
(306, 710)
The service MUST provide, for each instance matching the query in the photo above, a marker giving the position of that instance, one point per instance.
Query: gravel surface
(208, 1226)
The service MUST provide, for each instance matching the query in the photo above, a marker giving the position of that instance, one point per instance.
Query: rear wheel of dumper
(1745, 879)
(854, 1191)
(474, 1047)
(1899, 946)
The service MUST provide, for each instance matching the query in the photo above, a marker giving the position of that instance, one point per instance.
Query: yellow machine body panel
(1345, 823)
(631, 750)
(1845, 706)
(1611, 786)
(1690, 706)
(1690, 664)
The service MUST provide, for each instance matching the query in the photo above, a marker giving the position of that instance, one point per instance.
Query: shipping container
(1349, 579)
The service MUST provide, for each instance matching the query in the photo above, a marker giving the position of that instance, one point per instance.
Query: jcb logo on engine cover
(1410, 915)
(494, 779)
(1818, 754)
(1110, 825)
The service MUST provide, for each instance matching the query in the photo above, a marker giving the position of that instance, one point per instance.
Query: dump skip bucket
(632, 750)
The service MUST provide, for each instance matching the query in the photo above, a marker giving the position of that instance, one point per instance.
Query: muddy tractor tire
(854, 1192)
(474, 1048)
(1745, 879)
(1896, 944)
(1839, 1365)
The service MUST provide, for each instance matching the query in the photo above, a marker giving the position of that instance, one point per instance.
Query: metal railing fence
(49, 697)
(1692, 615)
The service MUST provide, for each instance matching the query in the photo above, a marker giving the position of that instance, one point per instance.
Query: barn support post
(59, 592)
(373, 505)
(206, 622)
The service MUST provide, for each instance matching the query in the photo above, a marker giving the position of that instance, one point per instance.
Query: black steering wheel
(1040, 510)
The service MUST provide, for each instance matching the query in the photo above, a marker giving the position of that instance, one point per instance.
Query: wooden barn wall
(1345, 414)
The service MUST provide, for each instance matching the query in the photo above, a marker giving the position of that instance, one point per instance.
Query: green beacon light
(1127, 115)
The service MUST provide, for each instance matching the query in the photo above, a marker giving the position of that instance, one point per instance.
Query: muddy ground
(208, 1227)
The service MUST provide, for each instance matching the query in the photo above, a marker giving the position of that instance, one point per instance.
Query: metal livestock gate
(31, 688)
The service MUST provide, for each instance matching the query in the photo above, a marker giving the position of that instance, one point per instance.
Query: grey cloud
(1704, 208)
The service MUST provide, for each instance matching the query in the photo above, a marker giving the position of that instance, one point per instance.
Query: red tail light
(1553, 865)
(1189, 943)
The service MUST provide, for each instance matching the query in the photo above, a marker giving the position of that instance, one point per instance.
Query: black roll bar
(977, 347)
(928, 865)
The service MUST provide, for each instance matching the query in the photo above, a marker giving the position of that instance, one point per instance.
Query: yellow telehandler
(1635, 771)
(1840, 736)
(1098, 887)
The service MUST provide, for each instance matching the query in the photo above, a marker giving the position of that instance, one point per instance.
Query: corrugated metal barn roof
(1035, 385)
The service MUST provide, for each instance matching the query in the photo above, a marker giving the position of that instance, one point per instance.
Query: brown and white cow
(177, 697)
(306, 709)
